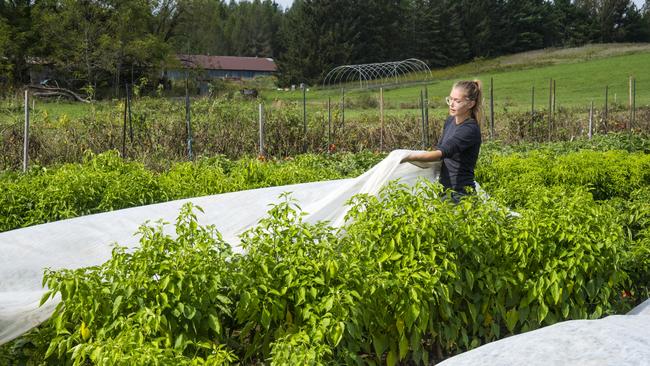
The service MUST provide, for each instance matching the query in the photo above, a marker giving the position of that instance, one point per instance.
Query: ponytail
(473, 91)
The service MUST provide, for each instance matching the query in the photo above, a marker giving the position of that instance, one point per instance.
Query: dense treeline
(99, 44)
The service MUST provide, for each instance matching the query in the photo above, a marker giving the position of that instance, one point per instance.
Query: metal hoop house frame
(380, 72)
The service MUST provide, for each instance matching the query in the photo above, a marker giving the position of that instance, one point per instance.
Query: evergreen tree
(524, 29)
(318, 36)
(16, 25)
(199, 28)
(453, 44)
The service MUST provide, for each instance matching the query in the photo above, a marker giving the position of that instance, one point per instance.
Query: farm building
(224, 66)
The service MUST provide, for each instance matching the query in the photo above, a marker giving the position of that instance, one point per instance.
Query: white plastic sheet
(87, 240)
(614, 340)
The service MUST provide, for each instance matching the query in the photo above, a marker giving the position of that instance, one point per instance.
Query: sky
(287, 3)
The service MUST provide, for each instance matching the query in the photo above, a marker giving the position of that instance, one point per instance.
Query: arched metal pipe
(376, 73)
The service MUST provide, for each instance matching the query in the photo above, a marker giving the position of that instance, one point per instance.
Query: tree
(5, 43)
(96, 43)
(199, 28)
(251, 28)
(317, 35)
(17, 28)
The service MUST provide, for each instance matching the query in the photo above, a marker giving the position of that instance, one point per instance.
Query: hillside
(581, 75)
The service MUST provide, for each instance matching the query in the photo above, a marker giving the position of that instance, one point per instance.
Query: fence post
(591, 120)
(424, 146)
(629, 94)
(26, 133)
(550, 108)
(633, 102)
(126, 102)
(554, 97)
(605, 110)
(491, 108)
(342, 107)
(426, 114)
(329, 124)
(261, 120)
(629, 104)
(187, 117)
(304, 118)
(381, 119)
(532, 109)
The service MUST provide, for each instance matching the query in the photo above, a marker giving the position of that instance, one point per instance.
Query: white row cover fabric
(614, 340)
(88, 240)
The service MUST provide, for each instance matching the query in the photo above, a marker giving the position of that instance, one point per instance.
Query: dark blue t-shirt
(460, 145)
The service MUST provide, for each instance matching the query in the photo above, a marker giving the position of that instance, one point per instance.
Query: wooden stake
(426, 114)
(591, 120)
(550, 108)
(261, 128)
(329, 124)
(532, 108)
(424, 146)
(491, 108)
(26, 133)
(381, 119)
(605, 110)
(304, 117)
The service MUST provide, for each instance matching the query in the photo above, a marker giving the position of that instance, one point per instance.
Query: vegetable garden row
(410, 277)
(157, 133)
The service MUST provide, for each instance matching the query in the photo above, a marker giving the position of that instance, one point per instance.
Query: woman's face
(459, 105)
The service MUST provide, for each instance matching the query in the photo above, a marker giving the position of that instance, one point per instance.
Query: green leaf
(380, 343)
(542, 311)
(300, 296)
(266, 318)
(412, 314)
(512, 316)
(224, 299)
(382, 258)
(391, 358)
(180, 342)
(214, 323)
(403, 347)
(45, 297)
(399, 324)
(116, 305)
(189, 312)
(329, 303)
(53, 346)
(337, 333)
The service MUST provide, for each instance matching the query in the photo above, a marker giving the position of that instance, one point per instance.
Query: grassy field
(581, 75)
(578, 82)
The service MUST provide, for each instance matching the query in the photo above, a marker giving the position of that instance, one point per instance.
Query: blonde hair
(473, 91)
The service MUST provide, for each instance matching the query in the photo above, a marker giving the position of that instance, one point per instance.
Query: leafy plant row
(157, 134)
(106, 182)
(410, 278)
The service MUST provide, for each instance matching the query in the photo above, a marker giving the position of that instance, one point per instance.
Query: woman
(460, 142)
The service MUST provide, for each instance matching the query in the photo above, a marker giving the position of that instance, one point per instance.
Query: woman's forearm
(434, 155)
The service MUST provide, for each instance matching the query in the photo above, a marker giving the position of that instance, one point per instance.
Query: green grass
(581, 75)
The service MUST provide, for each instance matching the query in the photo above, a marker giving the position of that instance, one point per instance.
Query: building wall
(213, 74)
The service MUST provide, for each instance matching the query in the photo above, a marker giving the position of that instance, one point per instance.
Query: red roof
(228, 62)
